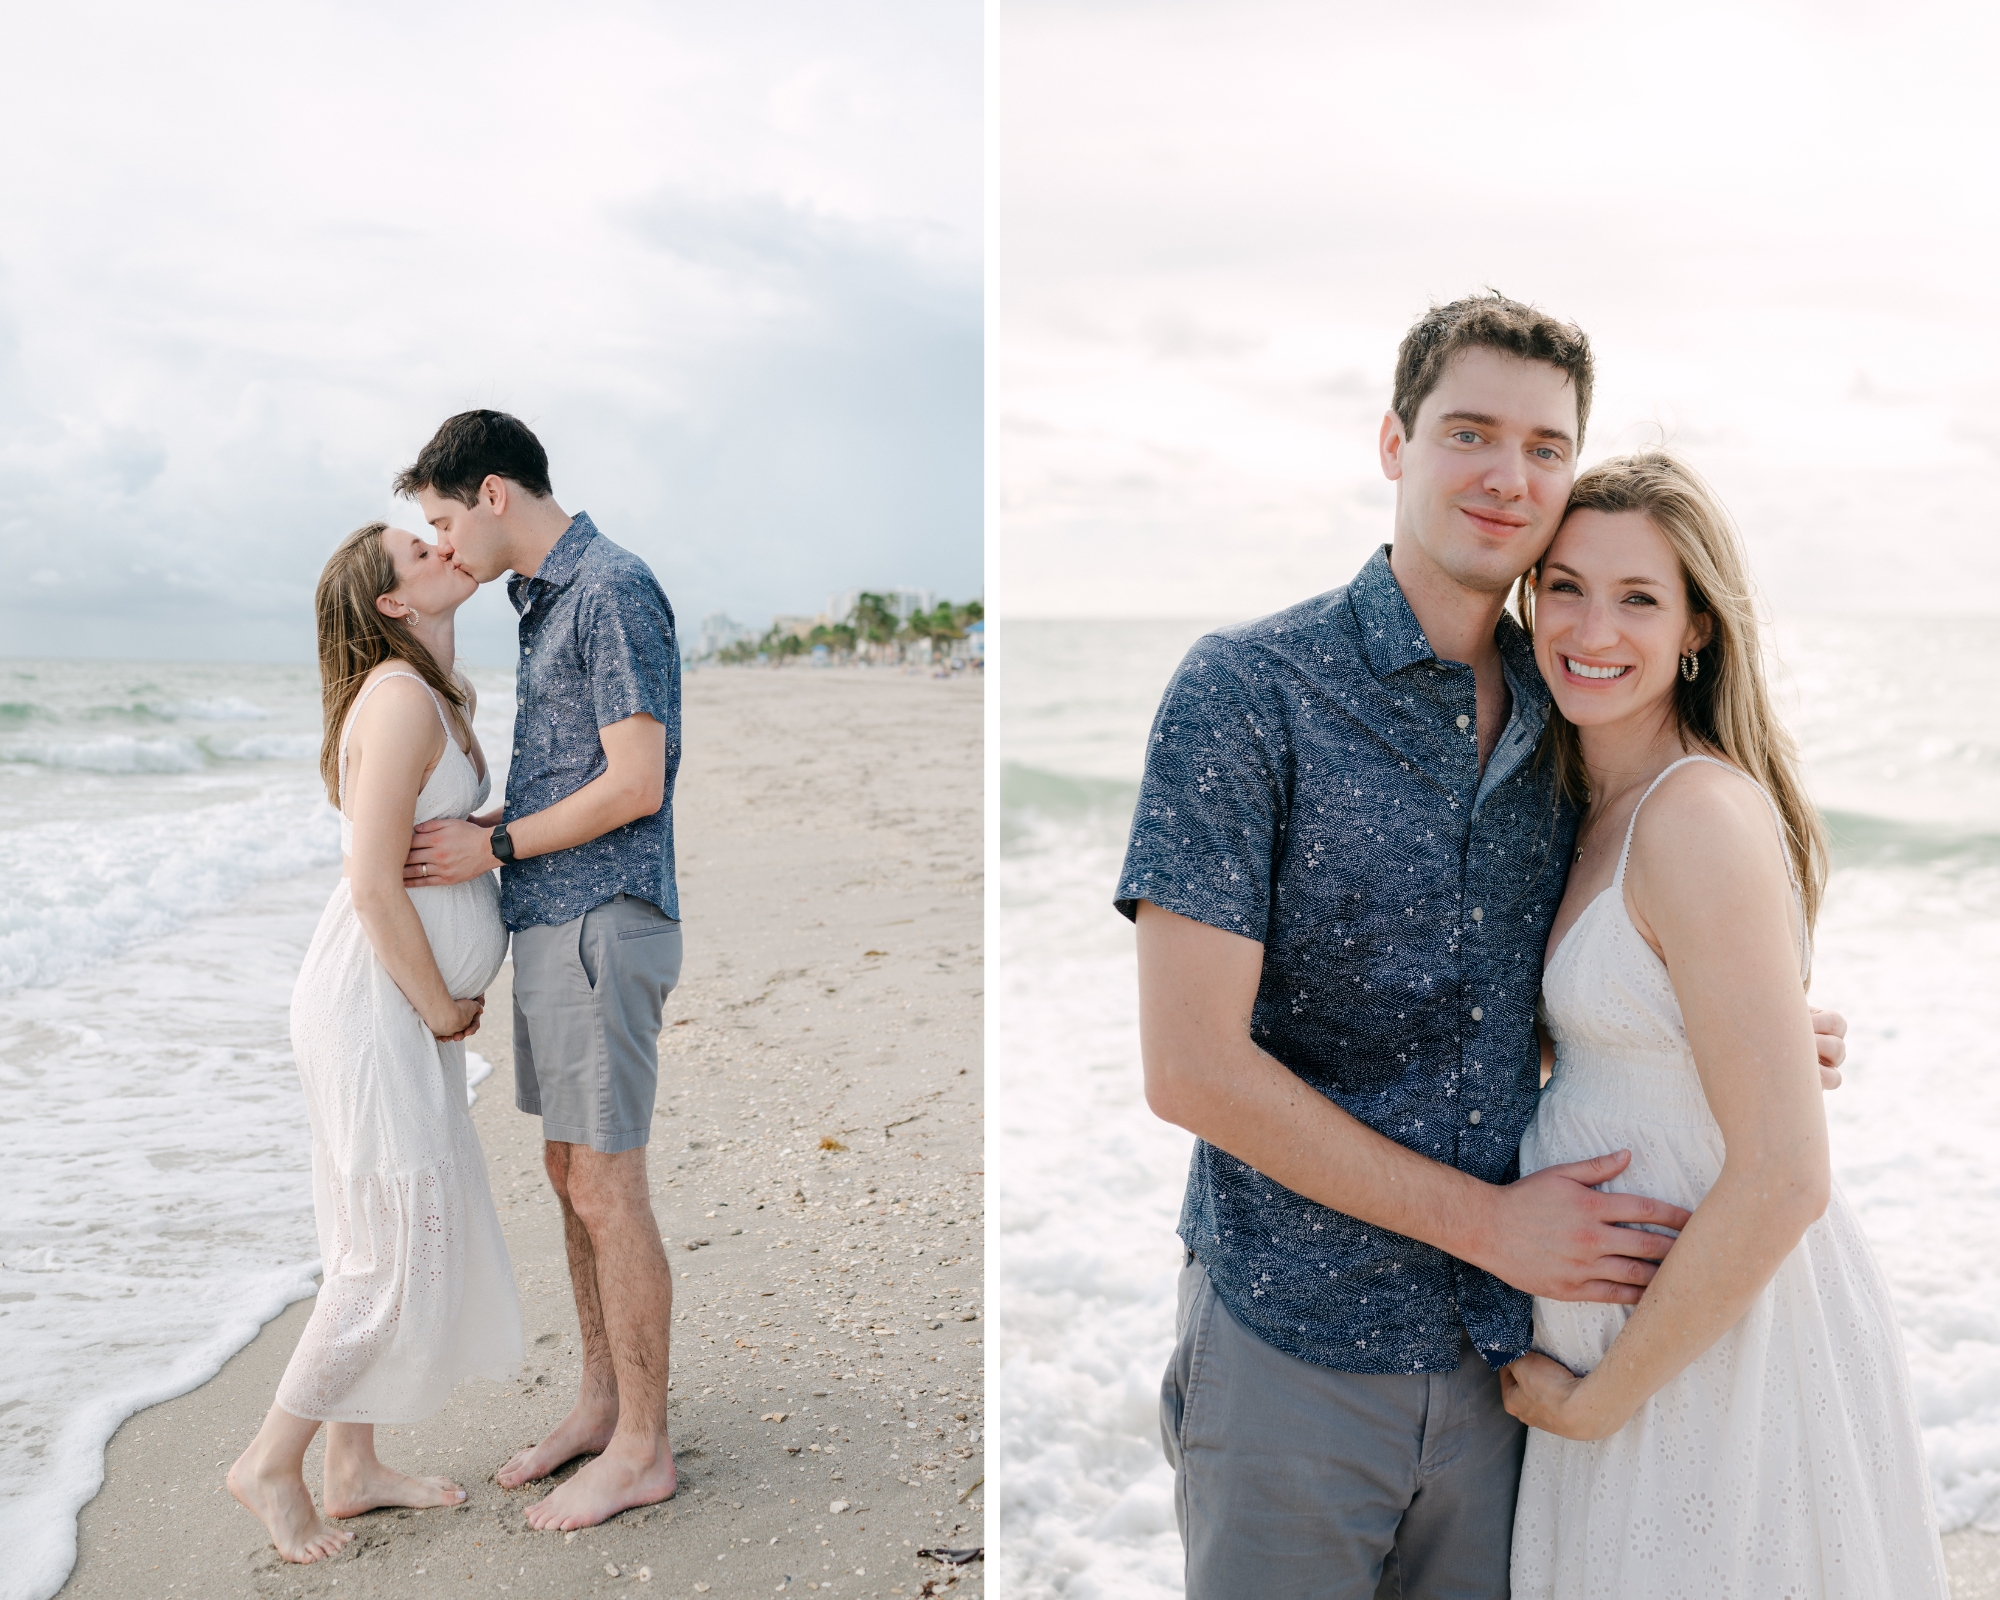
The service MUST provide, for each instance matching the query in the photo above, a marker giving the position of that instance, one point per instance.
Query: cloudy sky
(1776, 221)
(726, 260)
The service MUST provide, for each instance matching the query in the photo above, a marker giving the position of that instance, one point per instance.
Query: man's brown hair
(470, 448)
(1497, 323)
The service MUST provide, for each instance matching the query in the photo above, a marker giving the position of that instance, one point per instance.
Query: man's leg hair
(633, 1291)
(633, 1285)
(588, 1427)
(600, 1372)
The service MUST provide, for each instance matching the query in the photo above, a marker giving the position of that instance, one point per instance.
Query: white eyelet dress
(1785, 1462)
(418, 1291)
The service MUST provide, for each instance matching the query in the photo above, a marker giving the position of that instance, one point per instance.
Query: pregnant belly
(467, 936)
(1672, 1160)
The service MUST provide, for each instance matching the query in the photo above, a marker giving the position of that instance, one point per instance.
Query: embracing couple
(418, 1292)
(1397, 861)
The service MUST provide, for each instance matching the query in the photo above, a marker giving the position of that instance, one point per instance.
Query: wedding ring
(427, 869)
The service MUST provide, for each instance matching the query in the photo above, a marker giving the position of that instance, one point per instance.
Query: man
(1344, 865)
(585, 848)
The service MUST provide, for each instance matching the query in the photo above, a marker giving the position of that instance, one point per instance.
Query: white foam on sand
(160, 1197)
(1086, 1247)
(477, 1070)
(1913, 1133)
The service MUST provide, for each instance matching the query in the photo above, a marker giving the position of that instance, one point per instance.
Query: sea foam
(80, 890)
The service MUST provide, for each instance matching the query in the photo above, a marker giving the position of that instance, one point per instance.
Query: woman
(1748, 1428)
(418, 1291)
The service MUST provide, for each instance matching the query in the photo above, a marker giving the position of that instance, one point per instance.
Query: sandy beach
(817, 1172)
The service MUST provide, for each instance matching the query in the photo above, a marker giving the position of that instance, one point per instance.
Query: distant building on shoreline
(717, 633)
(904, 602)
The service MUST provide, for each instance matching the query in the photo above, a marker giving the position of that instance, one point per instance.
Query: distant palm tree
(941, 626)
(839, 638)
(874, 618)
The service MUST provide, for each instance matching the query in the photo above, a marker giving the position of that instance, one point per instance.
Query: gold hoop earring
(1690, 666)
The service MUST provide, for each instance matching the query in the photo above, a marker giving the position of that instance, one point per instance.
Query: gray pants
(587, 1000)
(1291, 1480)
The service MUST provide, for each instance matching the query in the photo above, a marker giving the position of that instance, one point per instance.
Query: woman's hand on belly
(1545, 1394)
(467, 1020)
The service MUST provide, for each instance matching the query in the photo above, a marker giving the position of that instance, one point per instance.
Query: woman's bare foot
(282, 1504)
(581, 1433)
(625, 1476)
(349, 1490)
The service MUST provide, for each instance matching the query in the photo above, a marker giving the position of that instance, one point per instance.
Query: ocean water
(165, 853)
(1903, 742)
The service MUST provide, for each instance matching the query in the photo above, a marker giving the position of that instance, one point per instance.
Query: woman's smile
(1580, 669)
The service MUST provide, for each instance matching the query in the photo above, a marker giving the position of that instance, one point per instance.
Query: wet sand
(816, 1164)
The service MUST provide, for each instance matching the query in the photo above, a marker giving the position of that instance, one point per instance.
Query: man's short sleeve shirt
(1313, 783)
(597, 646)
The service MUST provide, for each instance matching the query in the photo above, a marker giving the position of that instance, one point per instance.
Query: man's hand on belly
(447, 851)
(1555, 1235)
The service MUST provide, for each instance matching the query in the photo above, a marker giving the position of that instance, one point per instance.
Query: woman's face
(1612, 617)
(425, 583)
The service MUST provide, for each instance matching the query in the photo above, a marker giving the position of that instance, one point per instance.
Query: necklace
(1590, 823)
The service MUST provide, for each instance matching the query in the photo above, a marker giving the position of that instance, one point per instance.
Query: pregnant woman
(417, 1290)
(1748, 1428)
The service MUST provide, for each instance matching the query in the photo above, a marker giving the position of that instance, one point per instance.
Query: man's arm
(632, 785)
(1551, 1234)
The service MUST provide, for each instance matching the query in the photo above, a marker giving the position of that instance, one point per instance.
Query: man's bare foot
(616, 1481)
(349, 1492)
(286, 1510)
(581, 1433)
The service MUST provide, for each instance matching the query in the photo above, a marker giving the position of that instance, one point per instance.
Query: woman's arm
(397, 739)
(1707, 883)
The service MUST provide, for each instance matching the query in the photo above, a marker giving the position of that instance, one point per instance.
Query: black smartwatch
(501, 846)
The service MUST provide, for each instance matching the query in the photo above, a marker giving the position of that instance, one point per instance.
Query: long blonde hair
(355, 638)
(1728, 707)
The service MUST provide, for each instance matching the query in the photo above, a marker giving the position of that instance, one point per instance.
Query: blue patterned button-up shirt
(1313, 783)
(597, 646)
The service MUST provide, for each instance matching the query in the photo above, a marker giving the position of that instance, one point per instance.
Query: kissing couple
(418, 1292)
(1400, 860)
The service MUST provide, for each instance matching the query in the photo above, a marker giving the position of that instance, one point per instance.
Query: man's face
(1482, 477)
(469, 535)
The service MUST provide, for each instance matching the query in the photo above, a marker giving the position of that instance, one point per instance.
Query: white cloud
(1775, 221)
(725, 260)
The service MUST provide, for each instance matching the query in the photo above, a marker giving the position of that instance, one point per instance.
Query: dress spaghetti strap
(347, 731)
(1791, 876)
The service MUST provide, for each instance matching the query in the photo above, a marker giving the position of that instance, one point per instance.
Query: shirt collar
(1392, 638)
(560, 564)
(1524, 678)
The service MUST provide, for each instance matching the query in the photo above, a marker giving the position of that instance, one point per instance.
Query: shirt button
(1463, 721)
(1478, 914)
(1478, 1015)
(1473, 1119)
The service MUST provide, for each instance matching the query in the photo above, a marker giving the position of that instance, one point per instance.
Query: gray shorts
(587, 1000)
(1291, 1480)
